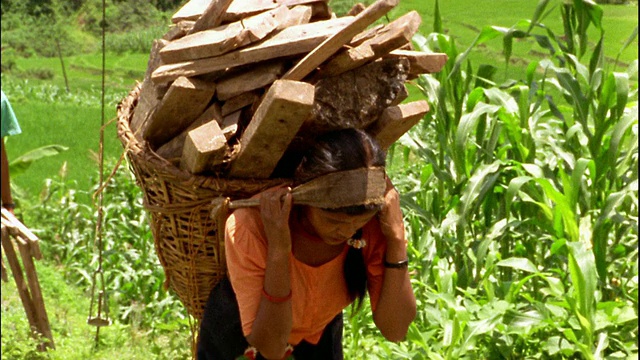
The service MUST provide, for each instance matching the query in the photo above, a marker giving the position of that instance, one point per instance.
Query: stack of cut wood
(237, 88)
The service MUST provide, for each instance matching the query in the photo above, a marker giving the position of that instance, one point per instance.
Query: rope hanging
(102, 316)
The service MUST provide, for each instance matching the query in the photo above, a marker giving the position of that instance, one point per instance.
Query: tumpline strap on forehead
(363, 186)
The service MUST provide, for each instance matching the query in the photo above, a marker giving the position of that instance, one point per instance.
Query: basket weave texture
(189, 239)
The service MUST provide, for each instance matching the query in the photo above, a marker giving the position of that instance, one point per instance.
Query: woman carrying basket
(292, 268)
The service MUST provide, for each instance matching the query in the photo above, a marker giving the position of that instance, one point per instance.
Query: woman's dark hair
(341, 150)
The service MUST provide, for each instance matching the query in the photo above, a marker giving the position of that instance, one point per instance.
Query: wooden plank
(300, 14)
(397, 120)
(332, 44)
(238, 102)
(224, 38)
(186, 99)
(212, 16)
(192, 10)
(204, 147)
(291, 41)
(237, 10)
(148, 98)
(179, 30)
(285, 107)
(240, 9)
(173, 148)
(396, 34)
(347, 60)
(421, 62)
(255, 78)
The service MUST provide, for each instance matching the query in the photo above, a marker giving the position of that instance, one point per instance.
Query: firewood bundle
(238, 88)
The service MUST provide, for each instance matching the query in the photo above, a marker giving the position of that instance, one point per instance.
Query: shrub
(134, 41)
(520, 203)
(8, 59)
(39, 73)
(123, 17)
(133, 275)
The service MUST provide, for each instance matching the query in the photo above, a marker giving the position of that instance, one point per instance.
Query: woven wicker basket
(189, 241)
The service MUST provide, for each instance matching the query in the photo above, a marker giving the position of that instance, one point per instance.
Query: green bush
(521, 204)
(8, 59)
(615, 2)
(133, 275)
(121, 17)
(134, 41)
(40, 73)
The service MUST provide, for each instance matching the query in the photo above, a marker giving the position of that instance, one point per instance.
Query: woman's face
(335, 228)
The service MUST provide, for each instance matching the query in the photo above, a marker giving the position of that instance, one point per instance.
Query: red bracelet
(275, 299)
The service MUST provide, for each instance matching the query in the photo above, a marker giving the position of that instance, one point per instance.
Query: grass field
(67, 309)
(53, 121)
(463, 20)
(59, 119)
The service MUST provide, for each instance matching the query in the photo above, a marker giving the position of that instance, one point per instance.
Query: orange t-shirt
(319, 293)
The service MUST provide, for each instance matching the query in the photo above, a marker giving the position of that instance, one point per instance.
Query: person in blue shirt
(10, 126)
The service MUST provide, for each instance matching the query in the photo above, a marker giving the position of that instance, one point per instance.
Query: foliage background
(520, 186)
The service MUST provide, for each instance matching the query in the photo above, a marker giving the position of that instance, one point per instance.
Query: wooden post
(29, 290)
(18, 276)
(41, 318)
(4, 276)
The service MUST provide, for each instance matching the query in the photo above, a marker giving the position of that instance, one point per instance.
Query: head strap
(363, 186)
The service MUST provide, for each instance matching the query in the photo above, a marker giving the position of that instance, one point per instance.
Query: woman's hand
(390, 216)
(397, 304)
(273, 322)
(275, 207)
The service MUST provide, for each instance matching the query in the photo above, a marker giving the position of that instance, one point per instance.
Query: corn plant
(521, 200)
(133, 276)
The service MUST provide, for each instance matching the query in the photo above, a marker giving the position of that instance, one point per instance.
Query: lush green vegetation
(520, 190)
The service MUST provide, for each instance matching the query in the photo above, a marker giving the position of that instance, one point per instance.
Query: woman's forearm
(272, 326)
(397, 303)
